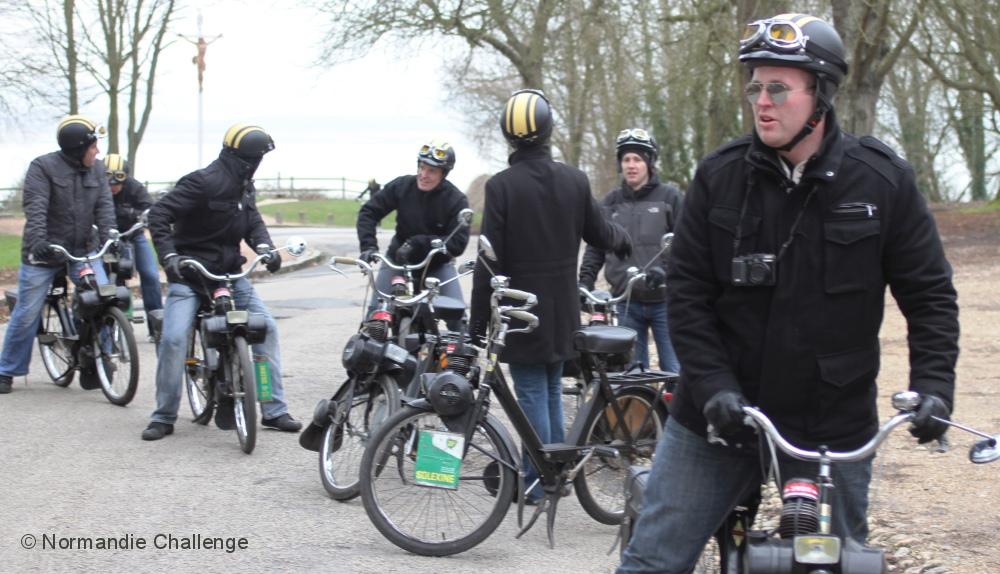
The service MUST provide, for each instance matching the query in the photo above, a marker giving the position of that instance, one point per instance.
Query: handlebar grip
(345, 260)
(518, 295)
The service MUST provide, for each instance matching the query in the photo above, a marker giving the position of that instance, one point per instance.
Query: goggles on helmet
(776, 34)
(115, 177)
(434, 152)
(634, 135)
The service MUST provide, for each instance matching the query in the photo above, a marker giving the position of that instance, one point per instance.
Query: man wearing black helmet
(776, 288)
(131, 200)
(537, 211)
(647, 209)
(65, 195)
(205, 217)
(427, 207)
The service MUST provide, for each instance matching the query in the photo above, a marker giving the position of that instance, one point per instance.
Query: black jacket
(536, 212)
(432, 213)
(208, 213)
(62, 202)
(806, 351)
(646, 214)
(130, 202)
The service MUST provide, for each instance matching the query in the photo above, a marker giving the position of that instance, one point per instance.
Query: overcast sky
(361, 119)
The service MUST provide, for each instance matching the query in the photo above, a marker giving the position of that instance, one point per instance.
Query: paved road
(72, 466)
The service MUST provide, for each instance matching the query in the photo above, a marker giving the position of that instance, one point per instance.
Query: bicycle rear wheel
(600, 484)
(197, 378)
(55, 345)
(244, 394)
(116, 356)
(344, 444)
(427, 520)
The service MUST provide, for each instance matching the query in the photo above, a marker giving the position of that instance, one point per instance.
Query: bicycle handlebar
(197, 266)
(416, 267)
(366, 268)
(612, 300)
(761, 421)
(137, 226)
(86, 258)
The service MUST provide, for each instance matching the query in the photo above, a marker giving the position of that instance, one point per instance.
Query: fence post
(329, 219)
(277, 217)
(343, 188)
(302, 217)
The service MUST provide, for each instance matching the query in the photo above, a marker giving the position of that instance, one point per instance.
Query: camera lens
(758, 273)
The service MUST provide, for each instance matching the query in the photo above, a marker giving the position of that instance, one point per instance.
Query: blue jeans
(383, 281)
(539, 392)
(178, 319)
(641, 317)
(33, 283)
(693, 485)
(149, 274)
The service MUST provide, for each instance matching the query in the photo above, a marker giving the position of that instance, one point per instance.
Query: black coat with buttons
(130, 202)
(208, 213)
(806, 350)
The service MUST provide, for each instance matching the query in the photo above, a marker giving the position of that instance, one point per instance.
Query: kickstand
(550, 518)
(617, 541)
(542, 506)
(521, 492)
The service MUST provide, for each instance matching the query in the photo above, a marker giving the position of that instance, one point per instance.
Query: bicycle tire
(599, 485)
(55, 346)
(379, 481)
(197, 379)
(343, 445)
(117, 359)
(244, 386)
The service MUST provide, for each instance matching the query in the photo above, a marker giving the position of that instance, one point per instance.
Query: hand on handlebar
(42, 252)
(368, 255)
(273, 260)
(924, 426)
(172, 267)
(724, 411)
(414, 249)
(655, 276)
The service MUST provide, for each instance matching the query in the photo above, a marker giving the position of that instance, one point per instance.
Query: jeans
(693, 485)
(641, 317)
(539, 392)
(149, 274)
(33, 283)
(178, 319)
(383, 281)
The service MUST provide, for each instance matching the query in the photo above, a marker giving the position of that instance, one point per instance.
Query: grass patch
(10, 251)
(336, 212)
(987, 207)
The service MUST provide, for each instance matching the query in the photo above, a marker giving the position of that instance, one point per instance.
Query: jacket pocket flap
(842, 369)
(727, 218)
(850, 231)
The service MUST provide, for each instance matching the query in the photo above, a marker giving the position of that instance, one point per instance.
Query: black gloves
(172, 267)
(624, 248)
(273, 260)
(42, 252)
(414, 249)
(588, 286)
(724, 411)
(368, 255)
(923, 426)
(655, 276)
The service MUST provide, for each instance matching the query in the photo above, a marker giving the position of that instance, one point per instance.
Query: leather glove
(724, 411)
(172, 267)
(624, 248)
(583, 298)
(42, 252)
(273, 260)
(368, 255)
(655, 276)
(923, 426)
(414, 249)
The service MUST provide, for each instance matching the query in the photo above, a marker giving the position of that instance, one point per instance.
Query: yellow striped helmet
(526, 119)
(116, 168)
(248, 141)
(76, 133)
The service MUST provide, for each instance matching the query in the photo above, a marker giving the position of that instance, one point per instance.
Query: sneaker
(284, 422)
(156, 431)
(6, 382)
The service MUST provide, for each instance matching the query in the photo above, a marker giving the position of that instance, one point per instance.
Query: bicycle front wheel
(116, 356)
(55, 345)
(600, 484)
(197, 378)
(244, 394)
(344, 443)
(428, 520)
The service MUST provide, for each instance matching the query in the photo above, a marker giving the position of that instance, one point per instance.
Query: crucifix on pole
(199, 60)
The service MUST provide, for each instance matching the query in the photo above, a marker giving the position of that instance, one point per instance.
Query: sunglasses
(439, 153)
(780, 35)
(777, 91)
(116, 176)
(633, 134)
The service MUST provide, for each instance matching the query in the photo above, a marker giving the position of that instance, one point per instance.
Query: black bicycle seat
(604, 339)
(448, 308)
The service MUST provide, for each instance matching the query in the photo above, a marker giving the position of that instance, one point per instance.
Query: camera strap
(791, 232)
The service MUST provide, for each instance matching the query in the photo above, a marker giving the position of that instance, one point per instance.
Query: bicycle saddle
(604, 339)
(448, 308)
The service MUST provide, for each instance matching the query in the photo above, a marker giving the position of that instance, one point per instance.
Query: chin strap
(822, 106)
